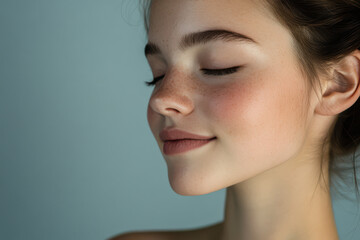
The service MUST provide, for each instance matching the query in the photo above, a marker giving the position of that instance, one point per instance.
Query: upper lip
(176, 134)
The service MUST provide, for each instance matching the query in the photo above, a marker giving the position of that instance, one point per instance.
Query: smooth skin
(268, 121)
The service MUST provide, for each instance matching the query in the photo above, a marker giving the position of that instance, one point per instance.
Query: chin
(186, 184)
(189, 190)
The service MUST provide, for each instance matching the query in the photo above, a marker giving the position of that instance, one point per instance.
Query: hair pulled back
(325, 31)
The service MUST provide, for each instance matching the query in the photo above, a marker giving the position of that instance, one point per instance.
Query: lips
(180, 146)
(175, 134)
(177, 141)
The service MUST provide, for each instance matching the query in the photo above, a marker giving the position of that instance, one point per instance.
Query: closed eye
(219, 72)
(214, 72)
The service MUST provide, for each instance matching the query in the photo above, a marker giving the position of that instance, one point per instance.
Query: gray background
(77, 158)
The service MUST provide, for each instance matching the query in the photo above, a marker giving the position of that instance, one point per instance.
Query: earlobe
(342, 88)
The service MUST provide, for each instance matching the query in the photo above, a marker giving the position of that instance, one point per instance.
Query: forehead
(169, 20)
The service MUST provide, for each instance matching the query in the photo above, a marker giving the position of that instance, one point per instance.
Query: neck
(284, 203)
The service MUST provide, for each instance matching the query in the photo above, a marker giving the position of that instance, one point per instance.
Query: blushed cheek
(234, 106)
(266, 113)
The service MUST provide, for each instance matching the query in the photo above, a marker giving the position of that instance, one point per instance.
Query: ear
(342, 87)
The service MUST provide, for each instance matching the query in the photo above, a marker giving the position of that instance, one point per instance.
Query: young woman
(258, 97)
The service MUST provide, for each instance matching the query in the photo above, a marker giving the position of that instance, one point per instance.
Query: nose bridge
(173, 95)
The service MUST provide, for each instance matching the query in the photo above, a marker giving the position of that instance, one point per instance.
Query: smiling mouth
(172, 147)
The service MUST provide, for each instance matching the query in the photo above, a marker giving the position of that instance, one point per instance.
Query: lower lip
(181, 146)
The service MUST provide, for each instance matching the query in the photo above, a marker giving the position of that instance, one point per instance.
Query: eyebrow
(203, 37)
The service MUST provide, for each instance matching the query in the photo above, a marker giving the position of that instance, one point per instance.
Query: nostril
(165, 103)
(172, 109)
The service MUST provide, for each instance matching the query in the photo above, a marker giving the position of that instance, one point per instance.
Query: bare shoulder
(205, 233)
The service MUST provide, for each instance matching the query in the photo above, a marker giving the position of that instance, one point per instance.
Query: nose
(171, 98)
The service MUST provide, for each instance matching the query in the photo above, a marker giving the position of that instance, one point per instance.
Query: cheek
(265, 114)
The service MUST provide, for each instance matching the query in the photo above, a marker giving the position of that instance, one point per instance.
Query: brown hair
(325, 31)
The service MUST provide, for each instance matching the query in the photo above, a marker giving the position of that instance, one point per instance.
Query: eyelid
(215, 72)
(219, 72)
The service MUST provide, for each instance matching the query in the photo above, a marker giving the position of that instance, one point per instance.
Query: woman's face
(258, 113)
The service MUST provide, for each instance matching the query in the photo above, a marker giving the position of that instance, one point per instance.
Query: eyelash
(214, 72)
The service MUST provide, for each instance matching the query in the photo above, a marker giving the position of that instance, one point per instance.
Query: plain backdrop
(77, 158)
